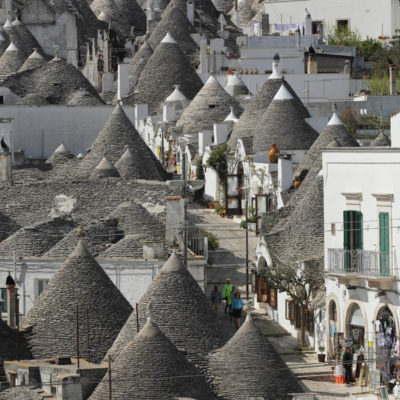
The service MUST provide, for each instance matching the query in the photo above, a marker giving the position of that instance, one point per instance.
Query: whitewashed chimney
(169, 113)
(141, 113)
(308, 24)
(203, 55)
(190, 11)
(285, 171)
(205, 139)
(123, 80)
(221, 131)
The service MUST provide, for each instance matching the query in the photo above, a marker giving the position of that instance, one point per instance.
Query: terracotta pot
(273, 154)
(321, 357)
(297, 183)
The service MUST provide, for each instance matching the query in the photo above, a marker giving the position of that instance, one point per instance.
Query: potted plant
(321, 355)
(210, 205)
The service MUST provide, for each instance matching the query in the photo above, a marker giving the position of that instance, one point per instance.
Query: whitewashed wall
(40, 130)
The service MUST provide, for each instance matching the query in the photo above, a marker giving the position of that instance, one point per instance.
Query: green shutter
(384, 243)
(359, 230)
(346, 230)
(3, 296)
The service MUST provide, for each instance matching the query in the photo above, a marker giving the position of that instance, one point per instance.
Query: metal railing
(362, 262)
(198, 245)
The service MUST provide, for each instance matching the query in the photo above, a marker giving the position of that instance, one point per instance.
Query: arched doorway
(385, 340)
(356, 327)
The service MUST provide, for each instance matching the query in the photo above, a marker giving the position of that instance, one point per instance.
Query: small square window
(342, 24)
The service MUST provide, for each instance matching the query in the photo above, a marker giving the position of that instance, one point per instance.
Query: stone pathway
(229, 260)
(315, 377)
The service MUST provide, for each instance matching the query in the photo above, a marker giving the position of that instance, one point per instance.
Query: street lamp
(246, 190)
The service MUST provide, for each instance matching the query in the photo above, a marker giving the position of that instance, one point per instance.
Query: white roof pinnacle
(61, 149)
(36, 54)
(335, 120)
(276, 72)
(231, 117)
(168, 39)
(212, 80)
(8, 24)
(283, 94)
(12, 47)
(234, 80)
(176, 95)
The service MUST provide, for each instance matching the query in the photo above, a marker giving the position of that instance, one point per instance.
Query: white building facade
(362, 239)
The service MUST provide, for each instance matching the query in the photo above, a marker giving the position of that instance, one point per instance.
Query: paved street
(229, 259)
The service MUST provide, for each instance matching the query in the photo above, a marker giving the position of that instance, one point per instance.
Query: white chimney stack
(221, 131)
(169, 114)
(308, 24)
(203, 55)
(141, 113)
(123, 80)
(285, 171)
(190, 11)
(205, 139)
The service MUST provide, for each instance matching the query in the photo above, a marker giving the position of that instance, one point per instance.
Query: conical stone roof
(21, 36)
(79, 285)
(283, 124)
(235, 86)
(134, 14)
(211, 105)
(130, 167)
(381, 140)
(35, 60)
(151, 367)
(334, 130)
(4, 42)
(258, 104)
(174, 21)
(104, 169)
(178, 99)
(246, 13)
(167, 67)
(173, 295)
(118, 134)
(11, 60)
(60, 155)
(263, 374)
(223, 5)
(138, 62)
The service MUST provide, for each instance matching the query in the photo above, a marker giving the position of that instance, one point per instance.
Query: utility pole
(185, 222)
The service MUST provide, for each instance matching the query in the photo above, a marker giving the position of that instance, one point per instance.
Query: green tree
(218, 160)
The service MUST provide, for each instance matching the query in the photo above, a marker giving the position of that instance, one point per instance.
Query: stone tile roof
(138, 62)
(11, 61)
(181, 309)
(104, 169)
(337, 132)
(257, 106)
(235, 86)
(283, 124)
(22, 393)
(60, 155)
(80, 283)
(35, 60)
(20, 35)
(167, 67)
(224, 5)
(33, 99)
(4, 41)
(54, 81)
(211, 104)
(134, 14)
(246, 13)
(36, 239)
(175, 22)
(151, 367)
(300, 236)
(118, 134)
(381, 140)
(249, 367)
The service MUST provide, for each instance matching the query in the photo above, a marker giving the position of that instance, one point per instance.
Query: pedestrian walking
(215, 298)
(237, 306)
(227, 293)
(348, 365)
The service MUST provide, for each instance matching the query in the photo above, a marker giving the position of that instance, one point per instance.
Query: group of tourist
(233, 302)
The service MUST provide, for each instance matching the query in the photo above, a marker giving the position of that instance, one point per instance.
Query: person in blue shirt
(215, 298)
(237, 306)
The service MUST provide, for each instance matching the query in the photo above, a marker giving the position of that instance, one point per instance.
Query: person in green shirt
(227, 294)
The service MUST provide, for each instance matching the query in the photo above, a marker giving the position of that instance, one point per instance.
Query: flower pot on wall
(273, 154)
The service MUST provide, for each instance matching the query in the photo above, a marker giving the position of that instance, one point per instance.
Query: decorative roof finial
(149, 308)
(334, 107)
(79, 232)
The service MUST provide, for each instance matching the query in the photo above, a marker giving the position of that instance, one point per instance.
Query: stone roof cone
(194, 332)
(260, 102)
(174, 21)
(35, 60)
(104, 169)
(246, 13)
(263, 374)
(151, 367)
(334, 130)
(130, 167)
(178, 99)
(11, 60)
(381, 140)
(235, 86)
(134, 14)
(60, 155)
(139, 61)
(79, 284)
(283, 124)
(212, 104)
(167, 67)
(118, 134)
(56, 81)
(4, 42)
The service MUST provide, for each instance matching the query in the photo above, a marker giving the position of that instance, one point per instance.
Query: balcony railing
(198, 245)
(362, 262)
